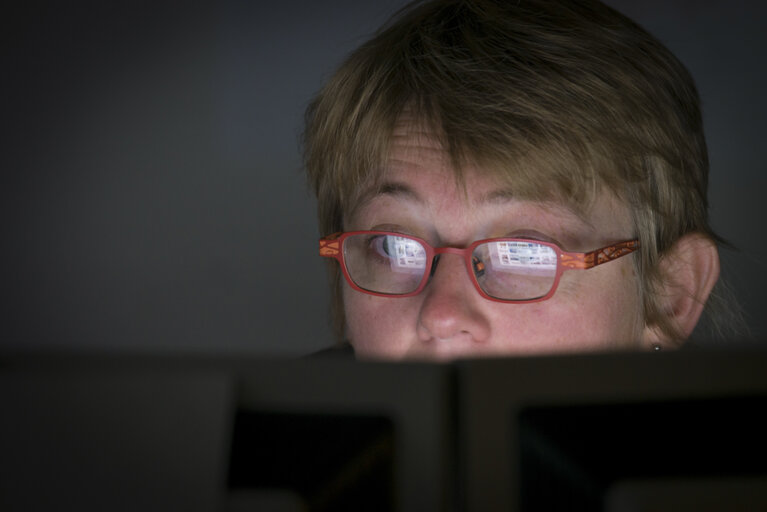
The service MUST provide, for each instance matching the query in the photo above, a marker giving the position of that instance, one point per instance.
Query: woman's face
(595, 309)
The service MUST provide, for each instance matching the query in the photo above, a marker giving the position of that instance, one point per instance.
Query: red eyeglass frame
(331, 246)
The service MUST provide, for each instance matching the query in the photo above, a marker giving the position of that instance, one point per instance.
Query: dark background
(151, 195)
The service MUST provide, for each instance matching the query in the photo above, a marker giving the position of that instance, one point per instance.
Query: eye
(380, 245)
(400, 252)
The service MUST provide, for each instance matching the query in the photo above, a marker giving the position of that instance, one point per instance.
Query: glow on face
(596, 309)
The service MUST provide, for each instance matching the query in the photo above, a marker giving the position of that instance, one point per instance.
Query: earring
(656, 347)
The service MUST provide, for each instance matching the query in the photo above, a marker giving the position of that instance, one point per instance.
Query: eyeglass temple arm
(584, 260)
(330, 246)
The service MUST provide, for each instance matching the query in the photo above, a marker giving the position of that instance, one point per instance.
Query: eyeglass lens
(504, 269)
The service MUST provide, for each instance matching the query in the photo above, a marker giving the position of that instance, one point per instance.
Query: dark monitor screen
(615, 432)
(685, 431)
(597, 456)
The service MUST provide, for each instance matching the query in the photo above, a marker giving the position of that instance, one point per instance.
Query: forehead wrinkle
(421, 136)
(412, 147)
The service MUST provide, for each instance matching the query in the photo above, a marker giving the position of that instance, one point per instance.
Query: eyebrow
(498, 196)
(386, 188)
(504, 195)
(394, 188)
(389, 188)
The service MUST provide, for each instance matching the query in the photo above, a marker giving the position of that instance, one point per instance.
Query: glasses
(502, 269)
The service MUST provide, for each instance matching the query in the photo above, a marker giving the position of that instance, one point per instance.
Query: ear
(689, 271)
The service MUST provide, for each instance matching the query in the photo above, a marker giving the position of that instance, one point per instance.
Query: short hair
(562, 98)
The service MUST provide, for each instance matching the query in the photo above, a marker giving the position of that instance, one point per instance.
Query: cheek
(377, 326)
(607, 311)
(594, 311)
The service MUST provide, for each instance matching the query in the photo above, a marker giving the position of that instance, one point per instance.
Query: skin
(592, 310)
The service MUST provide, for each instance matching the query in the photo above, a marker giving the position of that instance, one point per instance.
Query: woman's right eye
(380, 245)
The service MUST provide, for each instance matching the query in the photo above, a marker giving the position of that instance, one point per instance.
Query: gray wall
(151, 193)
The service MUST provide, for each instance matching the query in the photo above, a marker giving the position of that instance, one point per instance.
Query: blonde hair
(561, 98)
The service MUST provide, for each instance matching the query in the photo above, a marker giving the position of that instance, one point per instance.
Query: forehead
(555, 169)
(416, 154)
(420, 180)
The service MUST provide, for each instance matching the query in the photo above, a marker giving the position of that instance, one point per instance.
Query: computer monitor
(621, 432)
(614, 432)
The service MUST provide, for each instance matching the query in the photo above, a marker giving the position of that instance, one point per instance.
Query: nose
(452, 309)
